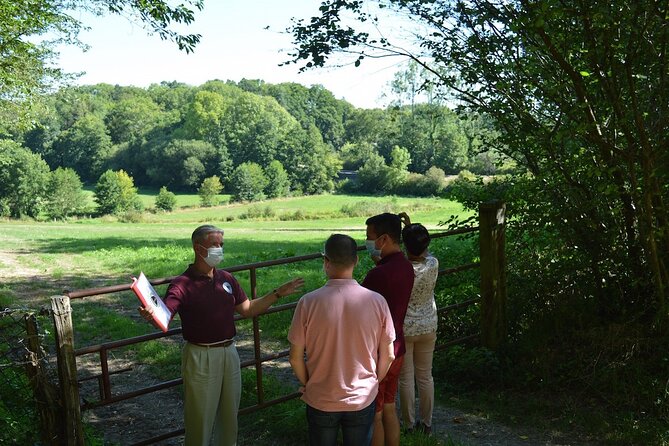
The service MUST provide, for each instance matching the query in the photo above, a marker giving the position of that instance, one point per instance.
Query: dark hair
(386, 223)
(416, 238)
(341, 250)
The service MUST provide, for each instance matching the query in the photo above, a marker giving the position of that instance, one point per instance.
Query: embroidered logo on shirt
(227, 287)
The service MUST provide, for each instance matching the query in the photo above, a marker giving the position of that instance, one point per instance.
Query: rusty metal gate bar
(106, 397)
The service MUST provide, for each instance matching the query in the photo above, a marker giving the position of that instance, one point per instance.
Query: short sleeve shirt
(205, 304)
(393, 278)
(343, 326)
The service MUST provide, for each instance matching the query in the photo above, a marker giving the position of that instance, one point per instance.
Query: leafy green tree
(132, 118)
(209, 189)
(376, 177)
(165, 200)
(85, 147)
(248, 182)
(203, 117)
(278, 183)
(313, 105)
(24, 178)
(27, 69)
(562, 82)
(65, 195)
(183, 164)
(400, 158)
(115, 193)
(354, 155)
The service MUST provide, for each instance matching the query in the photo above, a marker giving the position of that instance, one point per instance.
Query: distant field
(40, 259)
(95, 250)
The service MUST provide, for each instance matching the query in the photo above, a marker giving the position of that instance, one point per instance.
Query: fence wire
(19, 423)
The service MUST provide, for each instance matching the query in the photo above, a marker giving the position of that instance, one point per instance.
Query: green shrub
(248, 182)
(278, 184)
(165, 200)
(65, 196)
(209, 189)
(367, 208)
(115, 193)
(258, 211)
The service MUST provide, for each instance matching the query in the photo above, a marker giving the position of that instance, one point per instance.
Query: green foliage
(209, 189)
(376, 177)
(84, 147)
(400, 158)
(23, 180)
(365, 209)
(17, 415)
(115, 193)
(184, 163)
(256, 211)
(165, 200)
(30, 30)
(248, 182)
(278, 183)
(65, 196)
(354, 155)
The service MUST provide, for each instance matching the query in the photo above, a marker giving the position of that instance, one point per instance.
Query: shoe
(421, 427)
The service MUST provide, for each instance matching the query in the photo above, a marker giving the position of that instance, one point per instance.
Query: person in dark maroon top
(392, 277)
(206, 299)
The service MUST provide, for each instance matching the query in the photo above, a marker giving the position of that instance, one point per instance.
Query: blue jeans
(356, 426)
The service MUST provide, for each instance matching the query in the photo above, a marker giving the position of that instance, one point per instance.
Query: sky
(234, 45)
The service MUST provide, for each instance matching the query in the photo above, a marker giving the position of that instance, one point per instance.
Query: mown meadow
(47, 257)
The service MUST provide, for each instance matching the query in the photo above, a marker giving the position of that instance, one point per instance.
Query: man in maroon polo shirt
(392, 277)
(206, 299)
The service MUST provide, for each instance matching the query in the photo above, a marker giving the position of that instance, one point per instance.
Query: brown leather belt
(226, 343)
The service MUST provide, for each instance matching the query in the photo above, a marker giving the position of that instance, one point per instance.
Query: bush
(248, 182)
(278, 184)
(116, 193)
(65, 196)
(209, 189)
(24, 178)
(367, 208)
(257, 211)
(293, 216)
(165, 200)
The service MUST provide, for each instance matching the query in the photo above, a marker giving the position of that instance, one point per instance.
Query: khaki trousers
(212, 390)
(417, 367)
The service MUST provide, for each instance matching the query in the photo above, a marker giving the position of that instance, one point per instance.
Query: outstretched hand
(290, 287)
(147, 314)
(404, 218)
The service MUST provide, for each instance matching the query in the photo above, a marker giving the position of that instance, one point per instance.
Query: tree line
(258, 140)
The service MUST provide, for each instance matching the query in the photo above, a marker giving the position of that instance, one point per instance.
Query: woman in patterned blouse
(420, 330)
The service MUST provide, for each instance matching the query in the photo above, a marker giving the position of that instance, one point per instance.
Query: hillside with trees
(261, 140)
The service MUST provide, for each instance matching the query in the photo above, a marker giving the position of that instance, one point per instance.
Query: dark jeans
(356, 426)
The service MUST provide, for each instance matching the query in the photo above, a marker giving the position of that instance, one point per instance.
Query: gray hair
(201, 233)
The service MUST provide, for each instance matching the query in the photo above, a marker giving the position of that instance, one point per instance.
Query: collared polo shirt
(343, 326)
(393, 278)
(206, 305)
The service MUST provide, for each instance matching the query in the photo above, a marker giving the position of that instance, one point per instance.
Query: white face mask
(372, 249)
(214, 255)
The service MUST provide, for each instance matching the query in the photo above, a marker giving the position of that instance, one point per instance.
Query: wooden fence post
(493, 274)
(45, 393)
(67, 370)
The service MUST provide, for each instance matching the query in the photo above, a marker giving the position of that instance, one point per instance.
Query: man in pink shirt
(347, 333)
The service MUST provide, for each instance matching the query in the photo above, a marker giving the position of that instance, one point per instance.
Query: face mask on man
(372, 249)
(214, 255)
